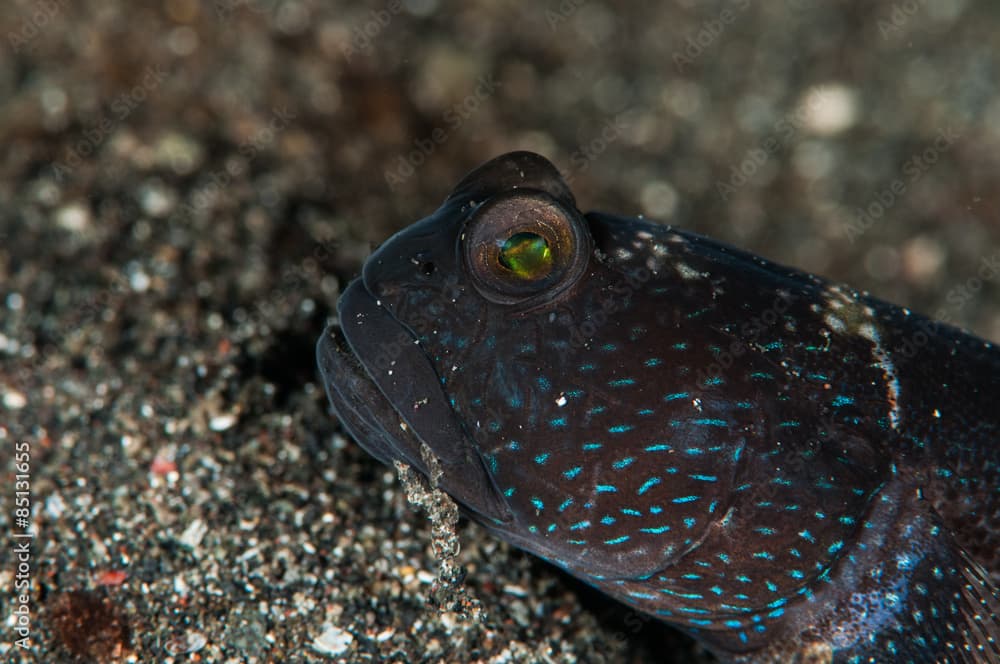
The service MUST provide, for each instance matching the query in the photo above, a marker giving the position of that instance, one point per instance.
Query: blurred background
(186, 186)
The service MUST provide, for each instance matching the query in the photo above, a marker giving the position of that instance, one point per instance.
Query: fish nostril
(425, 266)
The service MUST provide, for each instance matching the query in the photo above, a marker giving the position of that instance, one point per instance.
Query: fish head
(509, 333)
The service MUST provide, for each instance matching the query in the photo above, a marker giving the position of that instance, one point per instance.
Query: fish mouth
(389, 397)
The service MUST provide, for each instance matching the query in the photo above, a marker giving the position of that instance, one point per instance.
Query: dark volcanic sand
(185, 187)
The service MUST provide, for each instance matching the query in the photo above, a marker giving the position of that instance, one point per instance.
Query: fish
(783, 467)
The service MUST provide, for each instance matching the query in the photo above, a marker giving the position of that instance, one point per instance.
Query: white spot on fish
(686, 271)
(834, 323)
(881, 356)
(561, 401)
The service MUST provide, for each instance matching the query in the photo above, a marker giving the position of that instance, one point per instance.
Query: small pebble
(54, 506)
(333, 641)
(222, 422)
(830, 109)
(14, 400)
(74, 217)
(193, 534)
(189, 642)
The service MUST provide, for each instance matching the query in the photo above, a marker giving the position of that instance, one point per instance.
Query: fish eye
(526, 255)
(524, 245)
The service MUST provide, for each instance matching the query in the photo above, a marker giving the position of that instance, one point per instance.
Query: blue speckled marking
(623, 463)
(621, 382)
(710, 422)
(648, 484)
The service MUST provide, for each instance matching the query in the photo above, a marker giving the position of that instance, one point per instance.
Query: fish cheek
(621, 511)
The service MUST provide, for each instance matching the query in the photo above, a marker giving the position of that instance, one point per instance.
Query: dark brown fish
(782, 467)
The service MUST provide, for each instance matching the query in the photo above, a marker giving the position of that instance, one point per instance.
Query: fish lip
(353, 397)
(370, 402)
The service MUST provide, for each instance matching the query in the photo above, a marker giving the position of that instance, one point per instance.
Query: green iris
(527, 255)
